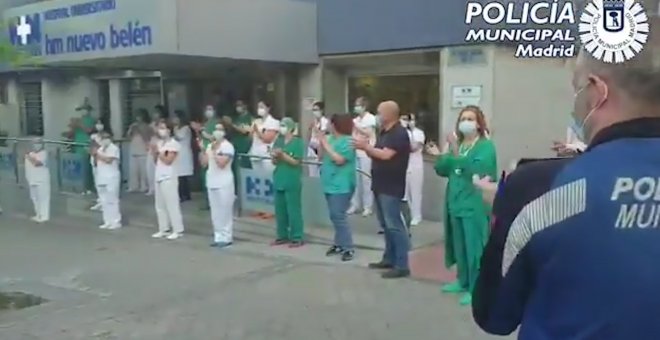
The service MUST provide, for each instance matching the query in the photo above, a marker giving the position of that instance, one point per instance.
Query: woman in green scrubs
(287, 154)
(468, 153)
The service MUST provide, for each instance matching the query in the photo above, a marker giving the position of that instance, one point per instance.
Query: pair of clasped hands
(485, 184)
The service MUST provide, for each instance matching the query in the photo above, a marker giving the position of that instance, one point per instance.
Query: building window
(32, 109)
(418, 94)
(140, 93)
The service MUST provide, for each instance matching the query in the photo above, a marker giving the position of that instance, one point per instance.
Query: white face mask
(105, 142)
(405, 123)
(284, 130)
(36, 147)
(163, 133)
(218, 135)
(317, 113)
(358, 109)
(209, 113)
(411, 124)
(99, 127)
(467, 127)
(262, 112)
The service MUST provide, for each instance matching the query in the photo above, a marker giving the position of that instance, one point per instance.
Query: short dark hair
(319, 104)
(342, 123)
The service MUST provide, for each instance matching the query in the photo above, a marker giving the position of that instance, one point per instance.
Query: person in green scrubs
(287, 153)
(468, 154)
(241, 133)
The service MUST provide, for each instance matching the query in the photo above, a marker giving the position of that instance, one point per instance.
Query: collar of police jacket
(636, 128)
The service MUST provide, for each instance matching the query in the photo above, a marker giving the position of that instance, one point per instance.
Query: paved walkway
(124, 285)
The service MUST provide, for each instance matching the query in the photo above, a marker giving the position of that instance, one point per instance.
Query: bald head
(389, 111)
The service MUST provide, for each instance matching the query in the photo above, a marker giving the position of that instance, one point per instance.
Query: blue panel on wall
(352, 26)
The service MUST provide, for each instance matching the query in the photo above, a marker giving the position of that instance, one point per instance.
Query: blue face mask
(577, 127)
(379, 121)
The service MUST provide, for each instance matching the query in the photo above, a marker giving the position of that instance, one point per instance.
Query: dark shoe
(347, 255)
(334, 250)
(205, 208)
(380, 232)
(296, 244)
(279, 242)
(380, 265)
(224, 244)
(395, 273)
(213, 244)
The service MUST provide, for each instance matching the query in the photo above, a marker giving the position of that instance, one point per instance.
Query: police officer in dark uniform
(575, 243)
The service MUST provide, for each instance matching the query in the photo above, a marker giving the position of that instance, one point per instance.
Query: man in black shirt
(388, 182)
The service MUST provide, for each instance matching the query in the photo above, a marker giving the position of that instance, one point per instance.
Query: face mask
(37, 147)
(284, 130)
(358, 109)
(579, 126)
(467, 127)
(176, 122)
(405, 123)
(218, 135)
(240, 109)
(411, 124)
(379, 120)
(209, 113)
(317, 113)
(99, 127)
(262, 112)
(105, 142)
(163, 133)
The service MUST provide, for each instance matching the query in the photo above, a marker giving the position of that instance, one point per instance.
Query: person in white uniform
(319, 124)
(415, 174)
(264, 131)
(150, 160)
(185, 160)
(218, 158)
(139, 135)
(38, 178)
(365, 125)
(95, 143)
(168, 207)
(108, 178)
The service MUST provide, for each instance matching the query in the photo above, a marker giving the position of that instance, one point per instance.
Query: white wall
(533, 100)
(60, 97)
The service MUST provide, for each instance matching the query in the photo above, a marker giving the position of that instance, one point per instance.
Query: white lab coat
(220, 190)
(108, 178)
(321, 125)
(260, 148)
(184, 162)
(137, 164)
(415, 175)
(95, 138)
(168, 207)
(363, 196)
(38, 178)
(151, 167)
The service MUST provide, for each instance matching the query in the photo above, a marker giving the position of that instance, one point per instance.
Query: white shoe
(35, 219)
(159, 234)
(415, 222)
(115, 226)
(352, 210)
(366, 213)
(96, 207)
(104, 226)
(149, 193)
(174, 236)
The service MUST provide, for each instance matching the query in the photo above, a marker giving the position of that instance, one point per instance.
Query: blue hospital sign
(7, 161)
(25, 33)
(259, 189)
(71, 169)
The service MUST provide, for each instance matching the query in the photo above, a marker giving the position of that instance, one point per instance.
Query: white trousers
(150, 167)
(414, 192)
(313, 170)
(40, 196)
(109, 197)
(363, 196)
(137, 173)
(168, 207)
(221, 201)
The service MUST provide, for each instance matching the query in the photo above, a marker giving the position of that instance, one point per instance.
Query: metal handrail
(307, 161)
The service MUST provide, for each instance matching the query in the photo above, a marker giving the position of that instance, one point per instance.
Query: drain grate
(19, 300)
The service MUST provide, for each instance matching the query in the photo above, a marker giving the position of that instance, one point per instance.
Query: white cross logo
(23, 29)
